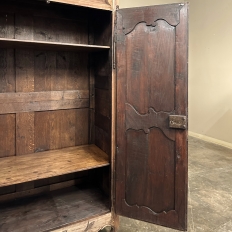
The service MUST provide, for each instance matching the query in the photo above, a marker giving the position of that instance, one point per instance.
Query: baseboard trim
(210, 140)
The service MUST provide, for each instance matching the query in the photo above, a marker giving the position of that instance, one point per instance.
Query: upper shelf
(43, 45)
(20, 169)
(98, 4)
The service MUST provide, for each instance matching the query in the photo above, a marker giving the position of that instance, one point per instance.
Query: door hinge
(115, 38)
(114, 51)
(178, 121)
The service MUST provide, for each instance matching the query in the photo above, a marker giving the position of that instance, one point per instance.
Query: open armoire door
(151, 157)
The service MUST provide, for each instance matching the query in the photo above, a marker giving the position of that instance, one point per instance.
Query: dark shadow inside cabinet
(55, 114)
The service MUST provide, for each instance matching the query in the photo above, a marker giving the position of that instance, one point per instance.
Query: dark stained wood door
(151, 157)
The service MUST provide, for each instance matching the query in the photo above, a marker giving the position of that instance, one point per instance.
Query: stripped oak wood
(42, 101)
(98, 4)
(57, 46)
(39, 190)
(151, 160)
(22, 97)
(53, 210)
(90, 225)
(19, 169)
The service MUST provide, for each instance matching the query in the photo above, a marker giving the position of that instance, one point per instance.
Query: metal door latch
(178, 121)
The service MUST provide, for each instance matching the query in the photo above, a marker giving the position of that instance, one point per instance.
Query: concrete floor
(210, 192)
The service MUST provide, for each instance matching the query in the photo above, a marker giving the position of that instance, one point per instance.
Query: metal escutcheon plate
(178, 122)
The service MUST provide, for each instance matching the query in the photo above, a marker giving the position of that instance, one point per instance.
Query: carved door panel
(151, 158)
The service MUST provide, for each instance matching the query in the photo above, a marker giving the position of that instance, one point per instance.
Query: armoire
(93, 115)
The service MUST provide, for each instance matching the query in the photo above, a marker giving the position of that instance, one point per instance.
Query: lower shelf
(52, 211)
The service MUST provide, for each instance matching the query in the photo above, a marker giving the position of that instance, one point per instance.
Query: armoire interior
(55, 114)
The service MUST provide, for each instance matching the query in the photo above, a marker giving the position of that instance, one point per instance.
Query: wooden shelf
(98, 4)
(53, 210)
(20, 169)
(43, 45)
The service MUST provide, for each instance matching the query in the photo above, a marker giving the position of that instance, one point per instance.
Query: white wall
(210, 65)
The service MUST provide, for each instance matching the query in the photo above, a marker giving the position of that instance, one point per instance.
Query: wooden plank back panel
(59, 129)
(7, 135)
(32, 80)
(7, 85)
(28, 25)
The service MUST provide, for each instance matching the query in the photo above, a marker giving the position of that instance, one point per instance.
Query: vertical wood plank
(82, 125)
(7, 70)
(24, 83)
(24, 26)
(7, 25)
(25, 133)
(7, 84)
(7, 135)
(68, 128)
(24, 70)
(24, 121)
(45, 70)
(42, 131)
(55, 129)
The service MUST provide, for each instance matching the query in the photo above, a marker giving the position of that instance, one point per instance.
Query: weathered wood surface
(33, 44)
(58, 209)
(45, 188)
(7, 135)
(19, 169)
(42, 101)
(151, 161)
(91, 225)
(99, 4)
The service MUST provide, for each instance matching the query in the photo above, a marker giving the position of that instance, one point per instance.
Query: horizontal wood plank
(42, 101)
(20, 169)
(97, 223)
(42, 45)
(43, 96)
(98, 4)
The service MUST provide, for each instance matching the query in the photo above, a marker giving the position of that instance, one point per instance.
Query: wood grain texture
(98, 4)
(102, 102)
(170, 13)
(148, 185)
(90, 225)
(156, 91)
(7, 86)
(18, 169)
(24, 63)
(181, 188)
(56, 71)
(7, 135)
(60, 129)
(25, 140)
(30, 189)
(37, 101)
(7, 71)
(146, 165)
(22, 97)
(7, 25)
(54, 210)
